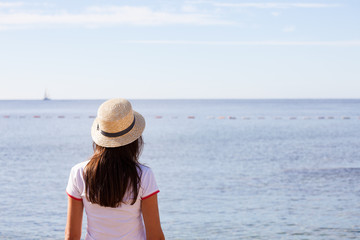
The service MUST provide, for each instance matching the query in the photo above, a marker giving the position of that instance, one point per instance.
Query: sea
(226, 169)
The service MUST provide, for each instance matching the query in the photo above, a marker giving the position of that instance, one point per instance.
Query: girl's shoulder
(146, 173)
(79, 167)
(145, 169)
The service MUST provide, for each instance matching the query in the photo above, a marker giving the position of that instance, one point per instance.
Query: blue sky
(180, 49)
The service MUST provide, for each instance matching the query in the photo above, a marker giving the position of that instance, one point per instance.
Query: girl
(118, 193)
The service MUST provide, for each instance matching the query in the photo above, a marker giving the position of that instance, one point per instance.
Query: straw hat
(116, 124)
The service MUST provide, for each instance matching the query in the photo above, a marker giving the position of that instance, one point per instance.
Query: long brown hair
(112, 173)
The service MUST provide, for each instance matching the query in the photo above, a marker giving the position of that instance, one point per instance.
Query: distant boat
(46, 96)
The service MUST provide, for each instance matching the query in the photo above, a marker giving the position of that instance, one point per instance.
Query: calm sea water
(283, 169)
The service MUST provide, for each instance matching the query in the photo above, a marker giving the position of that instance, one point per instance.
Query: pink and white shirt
(123, 222)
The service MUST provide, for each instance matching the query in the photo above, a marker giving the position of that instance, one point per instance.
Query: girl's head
(117, 124)
(113, 172)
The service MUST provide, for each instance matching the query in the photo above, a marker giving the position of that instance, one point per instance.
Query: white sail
(46, 96)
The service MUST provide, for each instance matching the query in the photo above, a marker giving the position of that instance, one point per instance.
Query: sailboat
(46, 96)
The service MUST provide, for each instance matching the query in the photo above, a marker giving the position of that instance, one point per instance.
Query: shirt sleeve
(72, 189)
(148, 184)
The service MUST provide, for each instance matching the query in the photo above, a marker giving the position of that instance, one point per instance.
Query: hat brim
(125, 139)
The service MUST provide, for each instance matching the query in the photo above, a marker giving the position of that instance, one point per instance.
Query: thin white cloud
(249, 43)
(111, 16)
(11, 4)
(289, 29)
(275, 5)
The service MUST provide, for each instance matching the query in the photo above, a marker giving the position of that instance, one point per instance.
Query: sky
(180, 49)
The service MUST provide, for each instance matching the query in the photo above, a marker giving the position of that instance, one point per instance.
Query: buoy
(91, 116)
(61, 116)
(261, 118)
(321, 117)
(158, 117)
(330, 117)
(191, 117)
(230, 117)
(292, 118)
(345, 117)
(221, 117)
(6, 116)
